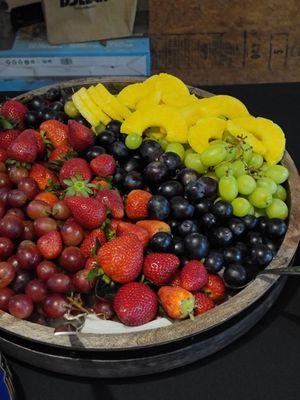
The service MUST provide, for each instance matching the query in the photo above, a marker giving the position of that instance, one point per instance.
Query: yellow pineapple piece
(193, 112)
(204, 131)
(131, 94)
(152, 99)
(170, 86)
(175, 100)
(108, 98)
(157, 116)
(89, 103)
(224, 105)
(85, 111)
(106, 108)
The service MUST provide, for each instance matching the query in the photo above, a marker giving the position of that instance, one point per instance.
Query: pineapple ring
(224, 105)
(162, 116)
(131, 94)
(205, 129)
(193, 112)
(152, 99)
(94, 109)
(106, 108)
(108, 98)
(175, 100)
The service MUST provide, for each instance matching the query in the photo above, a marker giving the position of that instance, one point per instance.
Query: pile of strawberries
(83, 233)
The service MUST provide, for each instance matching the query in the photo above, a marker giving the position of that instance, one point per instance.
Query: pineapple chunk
(106, 108)
(93, 119)
(223, 105)
(175, 100)
(193, 112)
(205, 129)
(131, 94)
(89, 103)
(108, 98)
(170, 86)
(152, 99)
(158, 116)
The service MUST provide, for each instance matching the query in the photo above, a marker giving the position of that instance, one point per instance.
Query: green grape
(260, 198)
(260, 212)
(70, 109)
(251, 211)
(133, 141)
(278, 173)
(264, 166)
(228, 188)
(246, 184)
(268, 184)
(164, 143)
(100, 128)
(241, 207)
(231, 154)
(213, 155)
(278, 209)
(280, 193)
(256, 161)
(239, 168)
(225, 168)
(193, 160)
(211, 175)
(247, 152)
(189, 151)
(176, 148)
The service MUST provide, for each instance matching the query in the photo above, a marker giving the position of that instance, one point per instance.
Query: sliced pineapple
(131, 94)
(108, 98)
(89, 103)
(178, 101)
(92, 118)
(106, 108)
(226, 106)
(157, 116)
(204, 131)
(193, 112)
(152, 99)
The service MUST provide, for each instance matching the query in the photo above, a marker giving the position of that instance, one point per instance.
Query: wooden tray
(18, 337)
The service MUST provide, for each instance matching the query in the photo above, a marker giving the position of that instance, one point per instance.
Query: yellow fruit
(109, 99)
(89, 103)
(169, 86)
(131, 94)
(84, 111)
(223, 105)
(252, 140)
(152, 99)
(205, 129)
(157, 116)
(193, 112)
(175, 100)
(95, 95)
(269, 133)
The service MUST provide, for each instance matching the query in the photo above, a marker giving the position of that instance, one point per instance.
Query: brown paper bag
(85, 20)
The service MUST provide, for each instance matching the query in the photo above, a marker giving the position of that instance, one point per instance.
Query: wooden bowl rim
(181, 329)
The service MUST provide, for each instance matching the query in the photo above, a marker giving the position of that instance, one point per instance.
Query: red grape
(5, 294)
(55, 305)
(17, 173)
(45, 270)
(29, 256)
(2, 208)
(20, 306)
(21, 280)
(37, 209)
(72, 233)
(14, 262)
(27, 243)
(103, 308)
(44, 225)
(36, 290)
(7, 274)
(3, 195)
(15, 212)
(61, 211)
(59, 283)
(6, 248)
(81, 283)
(29, 186)
(71, 259)
(16, 198)
(11, 227)
(4, 181)
(28, 233)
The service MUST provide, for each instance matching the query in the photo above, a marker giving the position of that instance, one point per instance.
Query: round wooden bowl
(160, 349)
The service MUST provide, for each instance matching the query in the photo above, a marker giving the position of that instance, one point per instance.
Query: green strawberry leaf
(94, 273)
(7, 123)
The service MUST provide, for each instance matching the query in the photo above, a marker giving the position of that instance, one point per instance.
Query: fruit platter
(137, 218)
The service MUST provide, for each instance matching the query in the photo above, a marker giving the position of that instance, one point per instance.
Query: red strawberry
(112, 199)
(41, 146)
(176, 301)
(91, 263)
(136, 206)
(135, 304)
(50, 245)
(43, 176)
(203, 303)
(56, 132)
(88, 246)
(88, 212)
(7, 137)
(126, 227)
(79, 136)
(193, 276)
(3, 155)
(160, 267)
(153, 226)
(103, 165)
(215, 288)
(175, 280)
(122, 258)
(24, 148)
(60, 153)
(73, 167)
(14, 110)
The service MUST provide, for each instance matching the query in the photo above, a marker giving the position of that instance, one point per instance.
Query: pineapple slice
(175, 100)
(152, 99)
(131, 94)
(89, 103)
(93, 119)
(108, 98)
(205, 129)
(106, 108)
(193, 112)
(223, 105)
(158, 116)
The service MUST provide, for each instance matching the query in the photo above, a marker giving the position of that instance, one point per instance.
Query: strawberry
(50, 245)
(91, 263)
(126, 227)
(55, 131)
(176, 301)
(3, 155)
(24, 148)
(14, 110)
(79, 136)
(99, 184)
(73, 168)
(203, 303)
(88, 212)
(43, 176)
(112, 199)
(193, 276)
(89, 244)
(136, 205)
(41, 146)
(160, 267)
(103, 165)
(175, 280)
(7, 137)
(61, 153)
(135, 304)
(47, 197)
(215, 288)
(122, 258)
(153, 226)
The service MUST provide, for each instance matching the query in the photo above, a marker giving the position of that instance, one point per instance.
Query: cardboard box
(226, 42)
